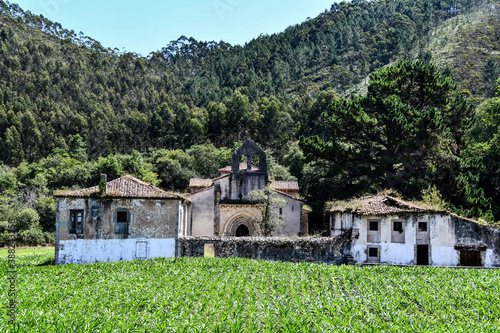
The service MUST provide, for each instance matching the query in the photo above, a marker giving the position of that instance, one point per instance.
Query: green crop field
(240, 295)
(27, 252)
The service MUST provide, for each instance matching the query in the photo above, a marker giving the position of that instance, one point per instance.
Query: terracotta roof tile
(200, 182)
(380, 205)
(287, 195)
(223, 176)
(123, 187)
(285, 185)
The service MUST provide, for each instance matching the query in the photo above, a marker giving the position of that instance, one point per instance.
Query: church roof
(123, 187)
(285, 185)
(380, 205)
(200, 182)
(286, 195)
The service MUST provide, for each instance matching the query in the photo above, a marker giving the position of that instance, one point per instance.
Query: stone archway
(242, 231)
(241, 226)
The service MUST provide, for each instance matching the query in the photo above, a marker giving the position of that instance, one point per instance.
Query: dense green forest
(71, 109)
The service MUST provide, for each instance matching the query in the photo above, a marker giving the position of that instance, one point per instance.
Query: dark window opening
(470, 258)
(422, 254)
(76, 222)
(242, 231)
(121, 216)
(374, 226)
(373, 252)
(398, 226)
(122, 222)
(422, 226)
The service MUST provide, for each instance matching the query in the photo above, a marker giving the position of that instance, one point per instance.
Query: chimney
(102, 184)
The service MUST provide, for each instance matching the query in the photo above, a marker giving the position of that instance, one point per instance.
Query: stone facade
(126, 220)
(330, 250)
(222, 208)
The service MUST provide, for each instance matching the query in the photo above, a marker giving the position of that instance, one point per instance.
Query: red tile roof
(200, 182)
(380, 205)
(223, 176)
(286, 195)
(123, 187)
(285, 185)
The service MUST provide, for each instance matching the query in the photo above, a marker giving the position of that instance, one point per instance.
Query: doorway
(423, 254)
(242, 231)
(470, 258)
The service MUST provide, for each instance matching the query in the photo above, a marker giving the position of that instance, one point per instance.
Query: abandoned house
(220, 206)
(123, 219)
(389, 230)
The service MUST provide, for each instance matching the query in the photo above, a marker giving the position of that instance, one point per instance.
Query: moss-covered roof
(380, 205)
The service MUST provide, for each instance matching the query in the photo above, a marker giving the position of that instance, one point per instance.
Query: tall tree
(409, 114)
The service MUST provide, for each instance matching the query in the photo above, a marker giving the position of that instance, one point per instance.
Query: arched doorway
(242, 231)
(241, 227)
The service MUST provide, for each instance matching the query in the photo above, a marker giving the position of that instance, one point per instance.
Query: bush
(46, 208)
(31, 237)
(26, 219)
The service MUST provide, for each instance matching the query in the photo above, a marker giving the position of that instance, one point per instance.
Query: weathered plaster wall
(202, 213)
(330, 250)
(469, 233)
(224, 188)
(243, 182)
(292, 215)
(446, 234)
(340, 222)
(92, 250)
(149, 219)
(183, 215)
(402, 253)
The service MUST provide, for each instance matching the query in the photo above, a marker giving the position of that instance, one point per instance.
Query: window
(122, 220)
(373, 253)
(373, 234)
(422, 226)
(398, 232)
(76, 221)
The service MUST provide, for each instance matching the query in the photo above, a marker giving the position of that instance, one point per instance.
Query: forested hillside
(58, 83)
(70, 108)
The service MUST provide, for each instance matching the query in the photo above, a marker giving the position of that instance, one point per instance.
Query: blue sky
(145, 26)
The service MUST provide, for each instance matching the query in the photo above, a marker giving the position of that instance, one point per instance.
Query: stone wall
(329, 250)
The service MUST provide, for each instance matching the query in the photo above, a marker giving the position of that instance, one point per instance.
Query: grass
(27, 251)
(241, 295)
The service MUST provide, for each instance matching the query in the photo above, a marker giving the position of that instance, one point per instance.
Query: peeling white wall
(444, 256)
(182, 217)
(92, 250)
(340, 222)
(491, 259)
(224, 188)
(441, 243)
(153, 227)
(292, 217)
(448, 235)
(202, 213)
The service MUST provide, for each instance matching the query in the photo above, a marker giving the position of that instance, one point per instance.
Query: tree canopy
(410, 127)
